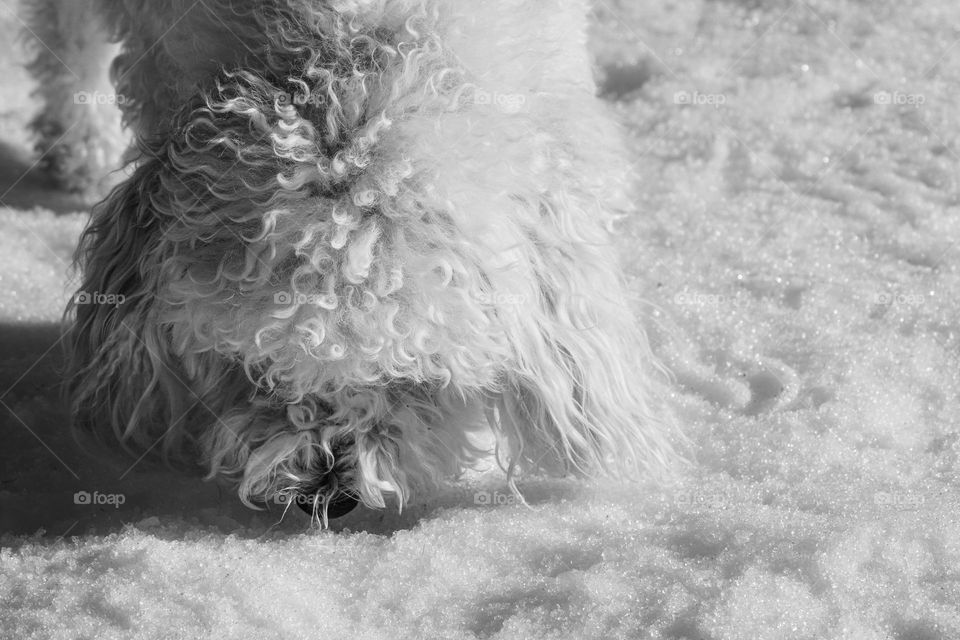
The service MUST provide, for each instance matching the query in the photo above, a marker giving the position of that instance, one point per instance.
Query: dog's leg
(78, 129)
(122, 380)
(578, 395)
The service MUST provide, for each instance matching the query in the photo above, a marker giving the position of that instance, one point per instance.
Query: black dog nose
(326, 496)
(337, 505)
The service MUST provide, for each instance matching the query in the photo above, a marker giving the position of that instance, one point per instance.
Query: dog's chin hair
(393, 325)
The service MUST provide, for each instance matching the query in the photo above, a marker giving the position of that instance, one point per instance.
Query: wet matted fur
(350, 231)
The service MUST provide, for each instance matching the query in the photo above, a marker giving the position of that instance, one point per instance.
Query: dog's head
(327, 251)
(279, 246)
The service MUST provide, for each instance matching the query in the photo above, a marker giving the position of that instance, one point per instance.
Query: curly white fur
(352, 225)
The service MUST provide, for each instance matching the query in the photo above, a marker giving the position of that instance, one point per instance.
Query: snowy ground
(796, 254)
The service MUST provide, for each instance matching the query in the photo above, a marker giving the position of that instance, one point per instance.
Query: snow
(797, 170)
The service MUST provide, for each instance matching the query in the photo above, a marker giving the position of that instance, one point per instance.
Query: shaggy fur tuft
(351, 229)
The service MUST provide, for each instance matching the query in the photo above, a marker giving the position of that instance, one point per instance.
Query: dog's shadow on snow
(52, 484)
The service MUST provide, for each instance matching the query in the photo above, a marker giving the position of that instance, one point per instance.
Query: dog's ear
(121, 380)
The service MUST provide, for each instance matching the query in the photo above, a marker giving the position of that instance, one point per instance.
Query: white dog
(348, 228)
